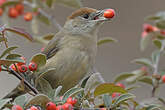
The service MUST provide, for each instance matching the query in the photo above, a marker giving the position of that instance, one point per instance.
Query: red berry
(144, 34)
(13, 67)
(32, 66)
(148, 28)
(22, 68)
(19, 8)
(109, 13)
(13, 13)
(163, 78)
(67, 106)
(162, 32)
(115, 94)
(72, 101)
(28, 16)
(42, 49)
(0, 68)
(1, 11)
(121, 85)
(103, 109)
(60, 107)
(144, 69)
(2, 2)
(16, 107)
(33, 108)
(50, 106)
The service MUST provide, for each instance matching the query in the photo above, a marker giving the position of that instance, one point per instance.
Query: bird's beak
(99, 16)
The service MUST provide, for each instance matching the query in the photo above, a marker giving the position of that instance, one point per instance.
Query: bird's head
(85, 20)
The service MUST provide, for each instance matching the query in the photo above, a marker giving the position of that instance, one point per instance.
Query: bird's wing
(52, 47)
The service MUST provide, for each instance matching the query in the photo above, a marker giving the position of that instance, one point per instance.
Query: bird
(72, 50)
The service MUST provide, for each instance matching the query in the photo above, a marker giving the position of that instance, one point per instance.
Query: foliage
(92, 92)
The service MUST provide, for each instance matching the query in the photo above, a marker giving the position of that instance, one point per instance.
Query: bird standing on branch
(72, 51)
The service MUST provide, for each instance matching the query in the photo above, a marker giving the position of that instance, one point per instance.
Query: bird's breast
(72, 62)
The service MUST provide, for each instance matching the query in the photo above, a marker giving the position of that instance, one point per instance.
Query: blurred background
(112, 58)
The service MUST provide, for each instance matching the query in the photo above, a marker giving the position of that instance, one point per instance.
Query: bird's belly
(70, 67)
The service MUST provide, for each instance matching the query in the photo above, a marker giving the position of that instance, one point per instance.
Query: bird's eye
(86, 16)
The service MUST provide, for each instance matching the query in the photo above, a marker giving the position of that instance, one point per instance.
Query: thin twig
(158, 60)
(155, 86)
(5, 40)
(156, 65)
(25, 82)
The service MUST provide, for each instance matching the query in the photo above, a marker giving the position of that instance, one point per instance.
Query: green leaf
(160, 24)
(45, 86)
(57, 91)
(122, 98)
(50, 94)
(39, 59)
(70, 3)
(144, 61)
(108, 88)
(107, 100)
(153, 107)
(49, 3)
(160, 37)
(39, 99)
(13, 56)
(11, 61)
(157, 43)
(44, 74)
(70, 93)
(123, 76)
(146, 79)
(137, 74)
(2, 39)
(20, 32)
(4, 102)
(7, 51)
(9, 3)
(161, 100)
(132, 87)
(43, 19)
(155, 56)
(153, 18)
(106, 40)
(145, 41)
(84, 81)
(48, 37)
(94, 80)
(20, 100)
(161, 14)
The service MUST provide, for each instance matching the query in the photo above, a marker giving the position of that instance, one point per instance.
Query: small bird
(73, 49)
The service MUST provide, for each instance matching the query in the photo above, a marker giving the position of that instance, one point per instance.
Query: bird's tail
(15, 92)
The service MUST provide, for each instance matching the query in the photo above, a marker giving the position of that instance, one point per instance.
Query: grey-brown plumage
(72, 51)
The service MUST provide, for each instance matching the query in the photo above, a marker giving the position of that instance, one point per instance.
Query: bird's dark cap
(81, 11)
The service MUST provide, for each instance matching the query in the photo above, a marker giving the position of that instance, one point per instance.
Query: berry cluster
(51, 106)
(21, 67)
(17, 10)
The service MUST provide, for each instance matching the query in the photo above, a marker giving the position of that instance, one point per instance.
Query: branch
(51, 18)
(25, 82)
(156, 80)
